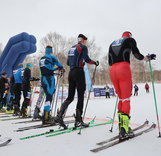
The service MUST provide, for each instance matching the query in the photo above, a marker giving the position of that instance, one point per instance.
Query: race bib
(42, 62)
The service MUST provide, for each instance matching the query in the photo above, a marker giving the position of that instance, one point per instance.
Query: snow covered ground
(142, 108)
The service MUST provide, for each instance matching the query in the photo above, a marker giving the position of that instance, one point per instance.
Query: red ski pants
(121, 77)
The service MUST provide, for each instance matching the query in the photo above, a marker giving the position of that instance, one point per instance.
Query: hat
(20, 66)
(82, 36)
(48, 50)
(127, 34)
(4, 73)
(28, 65)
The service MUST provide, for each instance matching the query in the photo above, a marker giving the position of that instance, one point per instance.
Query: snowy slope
(79, 145)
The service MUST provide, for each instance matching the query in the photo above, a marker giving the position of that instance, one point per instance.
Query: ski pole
(88, 97)
(62, 93)
(31, 99)
(56, 100)
(154, 94)
(114, 114)
(53, 98)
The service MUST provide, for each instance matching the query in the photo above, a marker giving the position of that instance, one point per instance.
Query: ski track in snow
(142, 108)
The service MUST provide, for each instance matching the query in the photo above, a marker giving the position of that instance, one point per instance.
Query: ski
(5, 116)
(72, 129)
(34, 120)
(28, 121)
(14, 118)
(4, 141)
(50, 132)
(41, 126)
(117, 136)
(152, 127)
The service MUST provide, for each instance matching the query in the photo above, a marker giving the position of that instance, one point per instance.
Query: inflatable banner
(16, 50)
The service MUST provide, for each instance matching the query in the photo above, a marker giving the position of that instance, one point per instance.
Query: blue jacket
(47, 63)
(18, 76)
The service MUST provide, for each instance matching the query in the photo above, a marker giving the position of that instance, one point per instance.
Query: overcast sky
(105, 20)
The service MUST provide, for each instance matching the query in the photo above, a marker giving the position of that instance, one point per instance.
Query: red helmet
(127, 34)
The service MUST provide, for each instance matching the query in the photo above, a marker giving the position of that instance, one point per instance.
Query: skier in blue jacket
(17, 88)
(47, 68)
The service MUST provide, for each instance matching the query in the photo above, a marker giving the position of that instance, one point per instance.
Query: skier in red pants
(121, 77)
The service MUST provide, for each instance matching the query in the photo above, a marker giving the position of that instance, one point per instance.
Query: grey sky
(105, 20)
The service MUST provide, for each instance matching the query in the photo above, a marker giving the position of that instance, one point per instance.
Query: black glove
(34, 79)
(151, 56)
(62, 71)
(97, 63)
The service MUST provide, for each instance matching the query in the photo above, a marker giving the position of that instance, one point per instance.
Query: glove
(59, 68)
(62, 71)
(151, 56)
(97, 63)
(34, 79)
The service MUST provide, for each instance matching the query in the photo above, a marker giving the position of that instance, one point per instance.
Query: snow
(142, 108)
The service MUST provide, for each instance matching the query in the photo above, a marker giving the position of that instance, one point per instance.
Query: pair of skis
(34, 120)
(41, 126)
(68, 130)
(115, 140)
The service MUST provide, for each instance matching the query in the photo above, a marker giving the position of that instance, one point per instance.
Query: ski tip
(154, 125)
(146, 122)
(93, 150)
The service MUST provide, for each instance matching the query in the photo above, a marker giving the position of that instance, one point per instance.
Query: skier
(147, 88)
(120, 74)
(76, 57)
(107, 90)
(136, 89)
(3, 81)
(47, 63)
(36, 114)
(17, 89)
(26, 88)
(11, 96)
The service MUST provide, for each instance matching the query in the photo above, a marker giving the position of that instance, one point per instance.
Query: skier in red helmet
(121, 77)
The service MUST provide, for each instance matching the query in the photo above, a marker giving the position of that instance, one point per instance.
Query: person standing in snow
(147, 88)
(39, 102)
(17, 89)
(136, 89)
(107, 90)
(3, 82)
(121, 77)
(77, 55)
(26, 88)
(47, 68)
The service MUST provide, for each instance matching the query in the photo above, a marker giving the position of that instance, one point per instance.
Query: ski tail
(117, 136)
(95, 150)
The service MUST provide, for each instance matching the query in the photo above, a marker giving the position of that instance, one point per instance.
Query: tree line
(61, 46)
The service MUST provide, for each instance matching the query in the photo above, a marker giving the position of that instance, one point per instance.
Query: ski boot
(23, 112)
(78, 120)
(16, 111)
(10, 109)
(47, 119)
(2, 110)
(60, 114)
(36, 113)
(125, 131)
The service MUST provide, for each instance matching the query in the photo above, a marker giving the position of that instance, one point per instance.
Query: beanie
(48, 50)
(82, 36)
